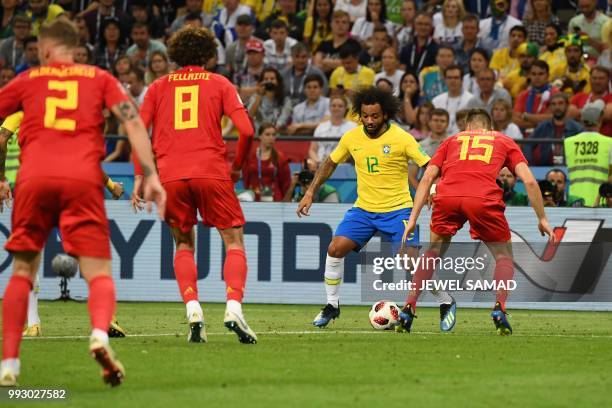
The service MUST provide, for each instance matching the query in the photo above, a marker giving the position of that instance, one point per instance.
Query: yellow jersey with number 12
(381, 165)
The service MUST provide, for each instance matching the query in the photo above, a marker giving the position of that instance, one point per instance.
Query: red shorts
(214, 199)
(77, 207)
(486, 217)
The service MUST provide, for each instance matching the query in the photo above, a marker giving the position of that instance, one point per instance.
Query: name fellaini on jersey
(191, 76)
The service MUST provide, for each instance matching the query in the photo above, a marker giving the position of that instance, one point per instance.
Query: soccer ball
(384, 314)
(64, 266)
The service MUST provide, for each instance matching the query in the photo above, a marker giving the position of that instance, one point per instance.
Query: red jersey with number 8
(61, 133)
(470, 162)
(185, 109)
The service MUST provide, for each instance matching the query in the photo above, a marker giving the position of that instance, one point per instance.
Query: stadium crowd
(541, 69)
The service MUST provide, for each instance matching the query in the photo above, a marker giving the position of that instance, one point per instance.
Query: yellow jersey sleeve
(415, 152)
(367, 76)
(341, 152)
(12, 122)
(499, 60)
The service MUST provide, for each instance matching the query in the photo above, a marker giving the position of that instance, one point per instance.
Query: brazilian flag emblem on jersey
(386, 149)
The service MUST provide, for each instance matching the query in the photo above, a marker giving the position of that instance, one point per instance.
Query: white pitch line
(311, 332)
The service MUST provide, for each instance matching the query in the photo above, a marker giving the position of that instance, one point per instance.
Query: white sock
(12, 364)
(234, 306)
(193, 306)
(334, 271)
(442, 297)
(100, 334)
(33, 317)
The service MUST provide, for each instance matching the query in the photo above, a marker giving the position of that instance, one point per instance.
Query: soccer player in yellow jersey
(381, 151)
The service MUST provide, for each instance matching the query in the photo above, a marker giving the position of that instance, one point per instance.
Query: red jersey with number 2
(185, 109)
(61, 133)
(470, 162)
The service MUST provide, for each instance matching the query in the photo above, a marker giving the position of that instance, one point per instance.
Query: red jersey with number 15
(470, 162)
(185, 109)
(61, 132)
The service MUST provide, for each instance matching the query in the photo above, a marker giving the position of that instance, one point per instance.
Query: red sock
(504, 271)
(14, 313)
(235, 272)
(186, 274)
(424, 272)
(101, 302)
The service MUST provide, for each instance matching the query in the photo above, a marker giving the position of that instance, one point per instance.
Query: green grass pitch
(554, 359)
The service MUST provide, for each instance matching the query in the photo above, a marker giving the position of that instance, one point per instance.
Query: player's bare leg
(186, 273)
(338, 249)
(101, 305)
(235, 273)
(504, 271)
(14, 311)
(438, 244)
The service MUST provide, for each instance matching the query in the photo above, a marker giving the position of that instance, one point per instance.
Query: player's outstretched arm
(246, 131)
(323, 173)
(137, 134)
(535, 198)
(5, 188)
(420, 197)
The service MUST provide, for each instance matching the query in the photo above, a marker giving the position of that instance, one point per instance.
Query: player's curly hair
(389, 104)
(192, 46)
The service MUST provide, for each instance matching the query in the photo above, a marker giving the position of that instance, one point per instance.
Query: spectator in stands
(300, 183)
(537, 17)
(96, 21)
(410, 98)
(82, 55)
(327, 57)
(479, 60)
(141, 13)
(136, 85)
(40, 11)
(505, 60)
(511, 197)
(470, 41)
(600, 89)
(192, 7)
(553, 51)
(531, 105)
(11, 49)
(501, 113)
(111, 46)
(294, 76)
(589, 23)
(143, 46)
(122, 68)
(227, 19)
(350, 75)
(495, 30)
(449, 31)
(422, 50)
(558, 127)
(562, 198)
(455, 99)
(439, 124)
(517, 80)
(372, 55)
(336, 126)
(460, 118)
(384, 84)
(376, 16)
(421, 129)
(83, 31)
(235, 53)
(404, 32)
(247, 79)
(488, 93)
(354, 8)
(318, 25)
(605, 58)
(269, 103)
(308, 114)
(574, 76)
(432, 78)
(266, 171)
(30, 55)
(278, 47)
(158, 67)
(288, 13)
(390, 69)
(8, 11)
(6, 74)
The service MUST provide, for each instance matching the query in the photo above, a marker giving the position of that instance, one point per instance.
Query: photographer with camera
(507, 181)
(301, 181)
(269, 104)
(604, 196)
(549, 193)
